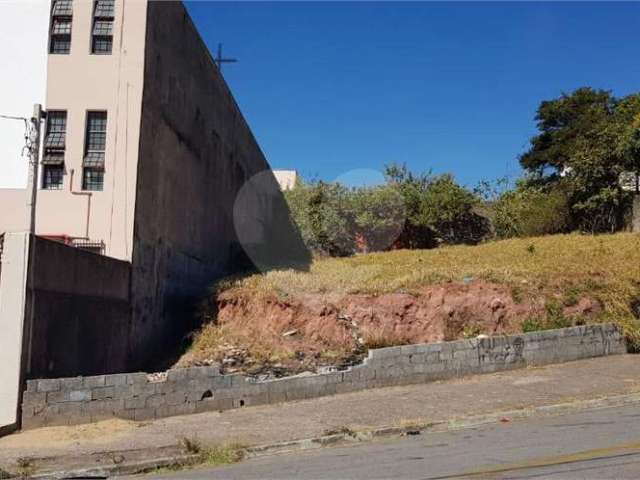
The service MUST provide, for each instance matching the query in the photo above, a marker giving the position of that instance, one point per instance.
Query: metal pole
(34, 160)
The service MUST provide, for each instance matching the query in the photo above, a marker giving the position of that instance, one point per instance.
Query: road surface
(597, 444)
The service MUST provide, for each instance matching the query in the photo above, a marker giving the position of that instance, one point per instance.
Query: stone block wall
(138, 396)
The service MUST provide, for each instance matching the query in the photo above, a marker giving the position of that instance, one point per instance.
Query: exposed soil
(277, 335)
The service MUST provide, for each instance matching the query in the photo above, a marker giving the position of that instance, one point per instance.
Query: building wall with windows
(94, 95)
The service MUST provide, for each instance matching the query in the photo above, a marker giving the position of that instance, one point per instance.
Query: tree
(585, 142)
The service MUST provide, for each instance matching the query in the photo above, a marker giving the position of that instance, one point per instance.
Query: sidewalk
(118, 441)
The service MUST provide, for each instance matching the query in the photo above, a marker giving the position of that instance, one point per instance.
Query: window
(92, 179)
(52, 177)
(61, 14)
(54, 148)
(95, 145)
(102, 32)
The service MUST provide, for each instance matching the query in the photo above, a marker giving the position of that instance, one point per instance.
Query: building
(147, 159)
(287, 179)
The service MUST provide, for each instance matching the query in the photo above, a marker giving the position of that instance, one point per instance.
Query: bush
(323, 214)
(410, 211)
(530, 212)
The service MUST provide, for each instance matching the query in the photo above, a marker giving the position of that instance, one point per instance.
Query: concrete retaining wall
(79, 312)
(138, 396)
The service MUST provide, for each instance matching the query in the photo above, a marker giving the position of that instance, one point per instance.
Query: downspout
(83, 194)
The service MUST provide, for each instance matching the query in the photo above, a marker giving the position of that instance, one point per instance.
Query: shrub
(530, 212)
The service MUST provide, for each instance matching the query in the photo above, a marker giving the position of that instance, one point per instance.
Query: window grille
(102, 32)
(60, 34)
(54, 150)
(52, 177)
(94, 156)
(93, 179)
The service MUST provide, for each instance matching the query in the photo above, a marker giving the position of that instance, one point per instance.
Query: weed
(571, 297)
(191, 445)
(517, 293)
(381, 338)
(204, 455)
(26, 467)
(222, 455)
(532, 324)
(602, 267)
(471, 331)
(4, 475)
(344, 430)
(531, 248)
(555, 315)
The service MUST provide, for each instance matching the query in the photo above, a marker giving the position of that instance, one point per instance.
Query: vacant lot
(291, 321)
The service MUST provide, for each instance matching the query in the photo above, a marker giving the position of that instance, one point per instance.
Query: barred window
(52, 177)
(94, 155)
(92, 179)
(63, 7)
(103, 27)
(61, 26)
(104, 9)
(60, 34)
(54, 148)
(102, 32)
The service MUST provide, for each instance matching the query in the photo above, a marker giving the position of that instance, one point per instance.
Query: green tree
(585, 142)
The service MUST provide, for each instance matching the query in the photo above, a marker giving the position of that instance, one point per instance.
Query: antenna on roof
(219, 60)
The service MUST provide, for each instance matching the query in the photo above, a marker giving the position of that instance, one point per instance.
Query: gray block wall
(138, 396)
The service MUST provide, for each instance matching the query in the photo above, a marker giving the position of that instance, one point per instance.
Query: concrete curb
(349, 437)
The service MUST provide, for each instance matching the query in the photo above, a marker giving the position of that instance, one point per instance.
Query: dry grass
(606, 267)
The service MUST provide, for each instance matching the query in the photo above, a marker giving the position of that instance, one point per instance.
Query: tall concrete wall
(135, 396)
(78, 312)
(196, 155)
(13, 278)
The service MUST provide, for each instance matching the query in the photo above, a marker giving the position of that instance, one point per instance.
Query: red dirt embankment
(288, 334)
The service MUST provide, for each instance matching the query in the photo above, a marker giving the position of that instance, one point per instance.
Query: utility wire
(28, 132)
(10, 117)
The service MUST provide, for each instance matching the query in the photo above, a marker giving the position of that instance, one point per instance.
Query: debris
(290, 333)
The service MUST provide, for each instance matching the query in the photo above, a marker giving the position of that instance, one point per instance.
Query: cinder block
(75, 383)
(32, 386)
(34, 398)
(176, 398)
(141, 414)
(49, 385)
(135, 403)
(137, 378)
(174, 410)
(207, 405)
(177, 374)
(70, 409)
(80, 395)
(203, 372)
(380, 353)
(143, 389)
(123, 391)
(57, 397)
(117, 380)
(276, 396)
(96, 381)
(33, 422)
(155, 401)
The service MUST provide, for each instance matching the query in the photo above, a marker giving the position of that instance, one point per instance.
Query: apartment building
(147, 158)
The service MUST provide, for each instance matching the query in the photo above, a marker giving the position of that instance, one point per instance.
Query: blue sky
(333, 86)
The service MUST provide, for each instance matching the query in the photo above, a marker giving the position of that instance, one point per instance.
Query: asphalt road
(591, 445)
